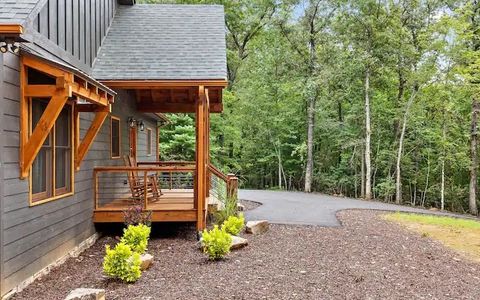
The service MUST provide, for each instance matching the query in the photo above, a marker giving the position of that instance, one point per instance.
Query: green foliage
(233, 225)
(178, 138)
(428, 47)
(229, 209)
(216, 243)
(122, 263)
(136, 237)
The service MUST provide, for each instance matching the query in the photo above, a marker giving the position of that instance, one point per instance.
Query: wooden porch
(176, 181)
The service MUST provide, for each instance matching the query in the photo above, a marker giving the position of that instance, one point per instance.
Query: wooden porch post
(207, 141)
(201, 118)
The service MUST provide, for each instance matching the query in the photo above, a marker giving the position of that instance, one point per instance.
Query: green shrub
(122, 263)
(136, 236)
(216, 243)
(229, 209)
(233, 224)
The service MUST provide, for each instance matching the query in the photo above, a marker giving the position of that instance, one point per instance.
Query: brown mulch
(249, 205)
(367, 258)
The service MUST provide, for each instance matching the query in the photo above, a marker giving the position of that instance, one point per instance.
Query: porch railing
(222, 187)
(117, 187)
(170, 179)
(152, 184)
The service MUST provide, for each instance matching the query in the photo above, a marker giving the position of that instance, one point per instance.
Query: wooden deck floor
(169, 200)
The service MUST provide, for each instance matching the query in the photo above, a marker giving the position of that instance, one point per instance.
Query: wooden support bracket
(81, 148)
(32, 145)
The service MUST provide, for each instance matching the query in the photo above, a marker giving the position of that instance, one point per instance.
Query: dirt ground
(366, 258)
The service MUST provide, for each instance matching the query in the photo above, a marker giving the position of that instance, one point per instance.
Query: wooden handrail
(166, 163)
(147, 169)
(217, 172)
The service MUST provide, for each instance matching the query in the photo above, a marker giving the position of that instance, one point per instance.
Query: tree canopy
(378, 97)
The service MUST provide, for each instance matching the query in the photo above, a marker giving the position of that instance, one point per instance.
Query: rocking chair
(137, 185)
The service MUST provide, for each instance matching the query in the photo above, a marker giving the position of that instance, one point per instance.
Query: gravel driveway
(311, 209)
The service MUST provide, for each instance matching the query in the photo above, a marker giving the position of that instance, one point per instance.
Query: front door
(133, 141)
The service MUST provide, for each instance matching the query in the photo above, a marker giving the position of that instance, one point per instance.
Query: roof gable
(18, 11)
(164, 42)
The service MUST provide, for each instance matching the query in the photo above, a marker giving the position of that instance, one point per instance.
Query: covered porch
(171, 191)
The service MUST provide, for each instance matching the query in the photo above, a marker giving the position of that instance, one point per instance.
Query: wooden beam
(151, 107)
(76, 131)
(11, 29)
(89, 108)
(90, 136)
(41, 131)
(152, 84)
(90, 95)
(200, 158)
(207, 142)
(41, 66)
(39, 90)
(24, 113)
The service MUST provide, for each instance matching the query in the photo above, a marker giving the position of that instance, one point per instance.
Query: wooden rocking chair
(137, 185)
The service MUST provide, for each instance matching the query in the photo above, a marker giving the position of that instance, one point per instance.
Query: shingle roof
(163, 42)
(17, 11)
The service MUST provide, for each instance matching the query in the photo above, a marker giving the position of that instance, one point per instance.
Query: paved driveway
(310, 209)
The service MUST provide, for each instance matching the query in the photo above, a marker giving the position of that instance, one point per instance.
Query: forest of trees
(361, 98)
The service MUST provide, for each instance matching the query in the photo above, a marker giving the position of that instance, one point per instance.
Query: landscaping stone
(146, 260)
(240, 207)
(238, 242)
(257, 227)
(86, 294)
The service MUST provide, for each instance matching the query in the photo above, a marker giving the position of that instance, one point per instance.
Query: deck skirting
(117, 216)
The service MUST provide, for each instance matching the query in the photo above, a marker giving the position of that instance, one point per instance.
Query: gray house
(83, 88)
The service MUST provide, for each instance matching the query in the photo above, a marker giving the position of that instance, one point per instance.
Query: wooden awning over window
(60, 84)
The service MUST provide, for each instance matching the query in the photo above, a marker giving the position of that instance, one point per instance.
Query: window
(149, 141)
(115, 137)
(51, 174)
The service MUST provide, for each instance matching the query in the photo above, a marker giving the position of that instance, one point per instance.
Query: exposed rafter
(175, 107)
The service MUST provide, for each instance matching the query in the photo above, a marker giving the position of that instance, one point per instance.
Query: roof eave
(147, 84)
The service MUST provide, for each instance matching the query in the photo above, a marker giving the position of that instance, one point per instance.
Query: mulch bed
(367, 258)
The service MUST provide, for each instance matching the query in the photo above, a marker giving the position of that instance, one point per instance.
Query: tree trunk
(312, 94)
(398, 181)
(279, 170)
(368, 166)
(424, 196)
(442, 185)
(362, 175)
(311, 124)
(472, 202)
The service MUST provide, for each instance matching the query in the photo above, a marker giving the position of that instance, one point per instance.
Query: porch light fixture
(15, 48)
(132, 122)
(9, 44)
(3, 47)
(141, 125)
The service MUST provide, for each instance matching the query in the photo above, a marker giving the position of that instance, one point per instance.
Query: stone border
(76, 251)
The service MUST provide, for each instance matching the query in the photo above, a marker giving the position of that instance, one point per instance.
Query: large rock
(146, 260)
(238, 242)
(86, 294)
(257, 227)
(240, 207)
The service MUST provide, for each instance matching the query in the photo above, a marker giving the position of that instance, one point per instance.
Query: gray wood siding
(33, 237)
(76, 26)
(2, 138)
